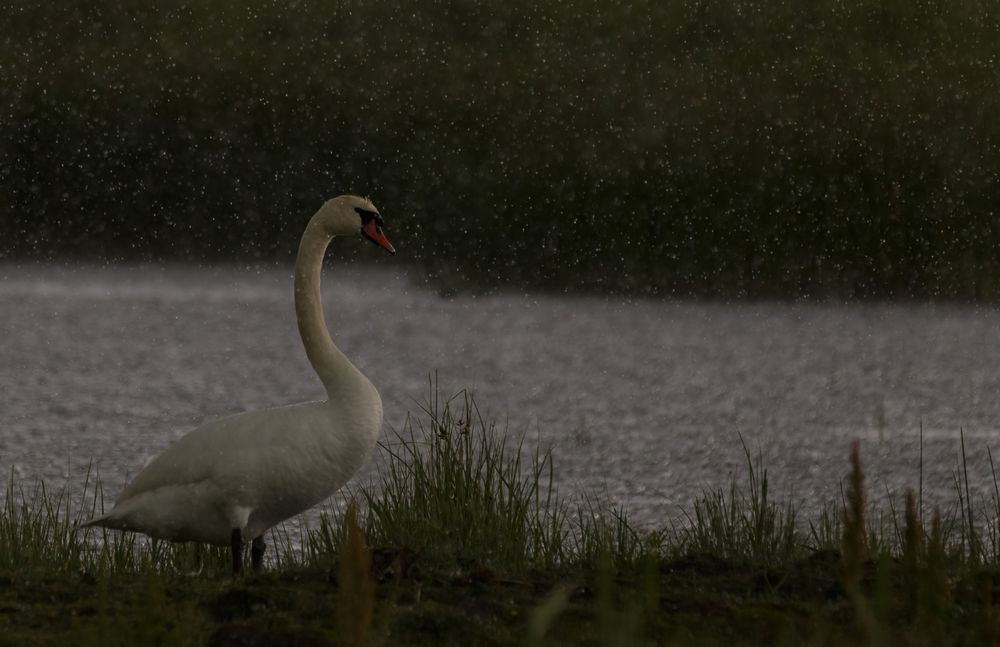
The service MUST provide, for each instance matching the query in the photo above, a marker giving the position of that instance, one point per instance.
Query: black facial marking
(367, 215)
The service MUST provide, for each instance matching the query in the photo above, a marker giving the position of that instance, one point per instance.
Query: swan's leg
(236, 543)
(257, 549)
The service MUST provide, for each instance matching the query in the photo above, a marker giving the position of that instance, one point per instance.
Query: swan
(233, 478)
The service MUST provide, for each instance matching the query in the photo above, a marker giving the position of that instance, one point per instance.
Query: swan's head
(350, 215)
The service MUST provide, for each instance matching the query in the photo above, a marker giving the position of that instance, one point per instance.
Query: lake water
(643, 400)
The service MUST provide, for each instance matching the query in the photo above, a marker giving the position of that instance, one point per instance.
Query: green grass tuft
(457, 490)
(744, 523)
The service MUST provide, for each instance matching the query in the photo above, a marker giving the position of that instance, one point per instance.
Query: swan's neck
(332, 366)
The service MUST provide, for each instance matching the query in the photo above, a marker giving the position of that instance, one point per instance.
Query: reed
(355, 605)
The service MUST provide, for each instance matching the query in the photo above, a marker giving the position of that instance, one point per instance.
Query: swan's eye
(368, 215)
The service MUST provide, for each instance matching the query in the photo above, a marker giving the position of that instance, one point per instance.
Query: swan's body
(240, 475)
(249, 471)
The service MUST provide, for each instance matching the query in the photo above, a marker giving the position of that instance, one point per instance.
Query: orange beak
(373, 232)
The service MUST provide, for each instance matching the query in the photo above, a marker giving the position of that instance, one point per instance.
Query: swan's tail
(103, 521)
(96, 521)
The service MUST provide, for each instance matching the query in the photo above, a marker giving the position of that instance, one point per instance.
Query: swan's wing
(204, 453)
(252, 469)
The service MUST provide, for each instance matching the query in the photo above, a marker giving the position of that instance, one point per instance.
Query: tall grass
(744, 523)
(460, 492)
(457, 494)
(40, 533)
(602, 534)
(457, 488)
(36, 529)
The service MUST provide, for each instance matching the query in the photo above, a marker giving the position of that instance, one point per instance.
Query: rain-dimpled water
(646, 402)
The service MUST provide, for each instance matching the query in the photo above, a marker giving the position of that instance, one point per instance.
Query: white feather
(253, 470)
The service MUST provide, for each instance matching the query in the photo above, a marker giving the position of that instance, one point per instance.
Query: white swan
(234, 478)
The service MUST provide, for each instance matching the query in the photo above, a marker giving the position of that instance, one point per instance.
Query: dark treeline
(820, 148)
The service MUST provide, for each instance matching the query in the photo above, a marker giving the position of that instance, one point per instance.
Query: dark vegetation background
(815, 148)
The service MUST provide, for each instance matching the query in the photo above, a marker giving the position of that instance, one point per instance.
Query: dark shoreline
(812, 150)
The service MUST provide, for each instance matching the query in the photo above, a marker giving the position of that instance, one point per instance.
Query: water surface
(645, 400)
